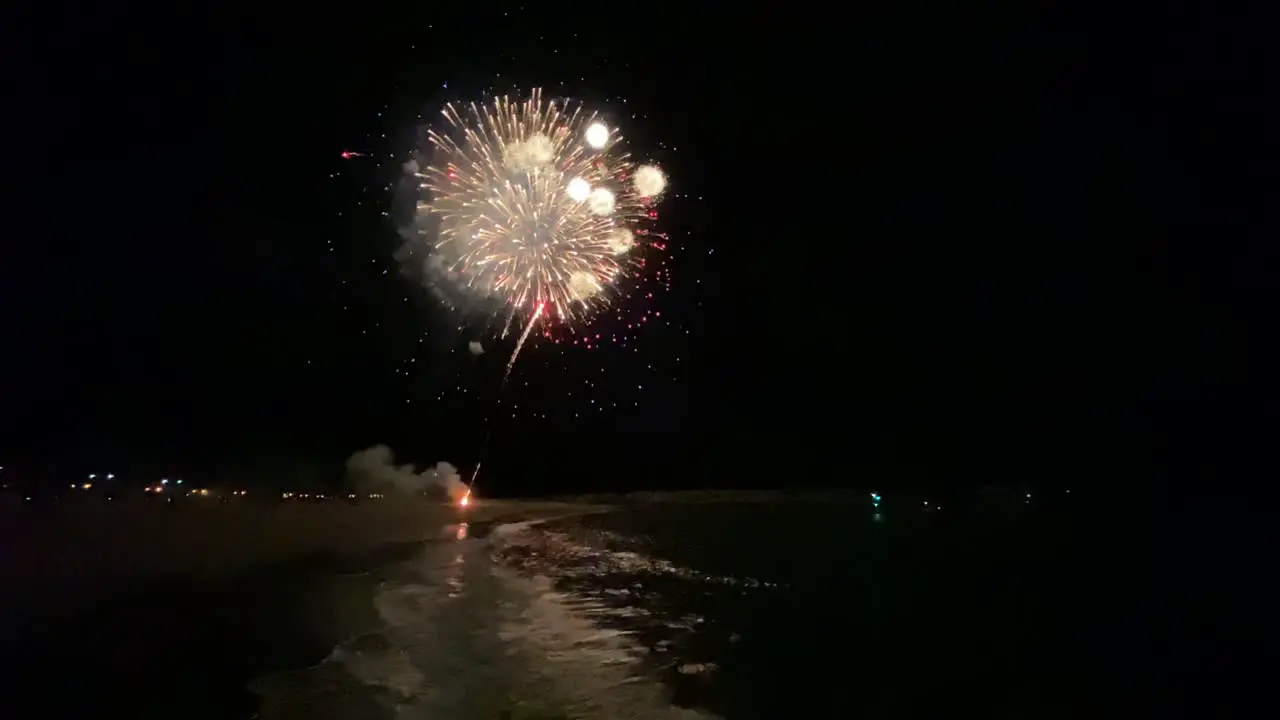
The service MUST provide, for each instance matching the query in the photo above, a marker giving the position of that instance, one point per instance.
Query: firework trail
(489, 431)
(520, 343)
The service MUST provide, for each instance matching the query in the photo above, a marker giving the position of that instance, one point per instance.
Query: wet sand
(157, 612)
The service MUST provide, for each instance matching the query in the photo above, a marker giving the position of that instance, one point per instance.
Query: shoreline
(153, 644)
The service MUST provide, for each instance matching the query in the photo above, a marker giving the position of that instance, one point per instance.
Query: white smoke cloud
(374, 470)
(475, 348)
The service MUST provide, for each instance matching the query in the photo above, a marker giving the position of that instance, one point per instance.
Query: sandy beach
(52, 558)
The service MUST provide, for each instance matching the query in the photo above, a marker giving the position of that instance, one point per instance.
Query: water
(777, 609)
(463, 636)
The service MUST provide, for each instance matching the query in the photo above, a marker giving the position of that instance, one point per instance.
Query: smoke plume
(373, 470)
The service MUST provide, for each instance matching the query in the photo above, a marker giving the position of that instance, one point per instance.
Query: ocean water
(801, 608)
(464, 635)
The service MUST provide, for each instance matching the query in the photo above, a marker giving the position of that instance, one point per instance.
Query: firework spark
(535, 203)
(520, 343)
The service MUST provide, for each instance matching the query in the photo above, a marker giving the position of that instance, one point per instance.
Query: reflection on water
(465, 637)
(454, 572)
(646, 613)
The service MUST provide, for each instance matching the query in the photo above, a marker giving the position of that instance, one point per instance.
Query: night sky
(960, 249)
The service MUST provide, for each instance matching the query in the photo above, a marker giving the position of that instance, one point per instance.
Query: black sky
(944, 246)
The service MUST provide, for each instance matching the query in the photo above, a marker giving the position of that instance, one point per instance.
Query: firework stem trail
(510, 364)
(520, 344)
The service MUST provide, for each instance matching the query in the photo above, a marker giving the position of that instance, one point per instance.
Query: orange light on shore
(466, 500)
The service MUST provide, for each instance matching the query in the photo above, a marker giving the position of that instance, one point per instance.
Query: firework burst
(535, 203)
